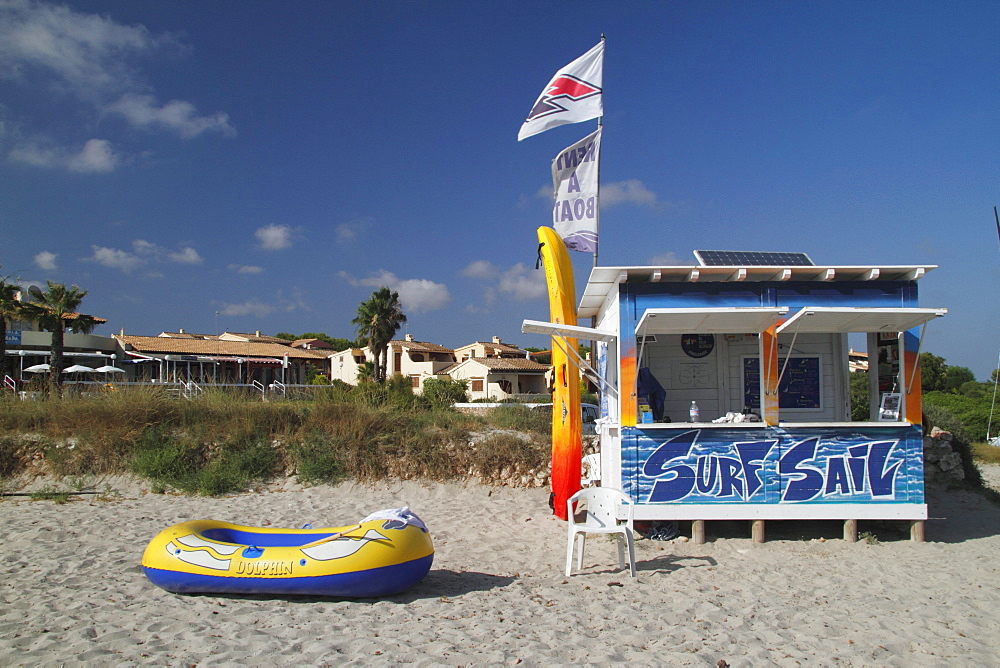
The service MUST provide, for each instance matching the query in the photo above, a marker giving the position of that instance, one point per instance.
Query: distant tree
(545, 358)
(55, 310)
(860, 397)
(316, 378)
(366, 372)
(974, 390)
(932, 372)
(956, 376)
(377, 321)
(10, 309)
(336, 343)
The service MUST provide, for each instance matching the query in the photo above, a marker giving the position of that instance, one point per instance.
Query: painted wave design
(808, 465)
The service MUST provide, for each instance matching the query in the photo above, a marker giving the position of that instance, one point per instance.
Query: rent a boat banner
(774, 465)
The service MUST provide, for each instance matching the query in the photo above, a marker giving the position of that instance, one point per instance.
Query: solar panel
(716, 258)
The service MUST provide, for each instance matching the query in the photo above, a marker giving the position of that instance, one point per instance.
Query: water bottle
(693, 412)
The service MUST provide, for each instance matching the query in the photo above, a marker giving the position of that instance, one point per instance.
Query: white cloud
(46, 261)
(274, 237)
(417, 295)
(143, 247)
(668, 259)
(186, 255)
(96, 156)
(632, 191)
(519, 282)
(295, 301)
(245, 269)
(86, 54)
(143, 252)
(177, 115)
(351, 230)
(93, 61)
(522, 284)
(483, 269)
(250, 307)
(116, 259)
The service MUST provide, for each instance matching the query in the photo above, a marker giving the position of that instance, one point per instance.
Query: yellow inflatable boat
(386, 553)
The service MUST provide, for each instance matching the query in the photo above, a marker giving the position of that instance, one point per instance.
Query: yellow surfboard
(566, 419)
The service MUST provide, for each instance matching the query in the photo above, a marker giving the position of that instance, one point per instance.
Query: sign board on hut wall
(774, 465)
(800, 387)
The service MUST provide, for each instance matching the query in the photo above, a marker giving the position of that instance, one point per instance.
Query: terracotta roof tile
(185, 346)
(422, 346)
(504, 364)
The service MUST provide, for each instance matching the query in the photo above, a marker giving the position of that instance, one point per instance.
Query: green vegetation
(223, 443)
(440, 392)
(337, 343)
(55, 310)
(958, 398)
(48, 494)
(869, 538)
(377, 321)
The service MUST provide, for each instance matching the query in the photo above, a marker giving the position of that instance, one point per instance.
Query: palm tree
(377, 321)
(10, 309)
(366, 372)
(55, 310)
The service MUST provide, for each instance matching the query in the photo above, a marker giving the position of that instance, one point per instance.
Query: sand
(72, 589)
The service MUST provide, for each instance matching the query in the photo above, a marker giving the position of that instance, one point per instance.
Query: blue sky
(248, 165)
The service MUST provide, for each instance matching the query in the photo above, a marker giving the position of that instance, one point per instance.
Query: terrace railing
(190, 390)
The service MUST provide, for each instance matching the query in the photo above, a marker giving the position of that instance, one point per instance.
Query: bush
(942, 418)
(11, 457)
(505, 453)
(238, 465)
(520, 418)
(167, 461)
(186, 465)
(969, 414)
(316, 460)
(439, 392)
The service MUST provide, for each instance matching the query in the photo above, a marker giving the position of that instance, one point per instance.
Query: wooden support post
(851, 531)
(757, 531)
(698, 532)
(917, 531)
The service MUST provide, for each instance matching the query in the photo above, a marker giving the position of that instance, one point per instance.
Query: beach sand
(72, 589)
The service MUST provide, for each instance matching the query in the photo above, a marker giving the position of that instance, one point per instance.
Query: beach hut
(726, 388)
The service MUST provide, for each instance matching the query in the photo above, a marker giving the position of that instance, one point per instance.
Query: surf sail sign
(576, 184)
(780, 466)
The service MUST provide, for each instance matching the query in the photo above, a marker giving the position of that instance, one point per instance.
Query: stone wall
(941, 463)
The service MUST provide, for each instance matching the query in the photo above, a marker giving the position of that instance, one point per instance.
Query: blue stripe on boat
(368, 583)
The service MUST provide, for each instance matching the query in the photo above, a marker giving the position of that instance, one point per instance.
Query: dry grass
(223, 442)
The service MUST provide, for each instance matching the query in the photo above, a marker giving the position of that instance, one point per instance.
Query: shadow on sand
(438, 583)
(954, 516)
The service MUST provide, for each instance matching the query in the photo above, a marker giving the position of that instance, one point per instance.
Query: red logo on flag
(564, 86)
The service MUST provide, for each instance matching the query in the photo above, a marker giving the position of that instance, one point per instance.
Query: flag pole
(597, 231)
(597, 220)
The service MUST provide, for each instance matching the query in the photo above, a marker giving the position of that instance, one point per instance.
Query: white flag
(573, 95)
(575, 176)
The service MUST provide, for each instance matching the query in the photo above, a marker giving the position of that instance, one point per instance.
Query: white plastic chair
(597, 510)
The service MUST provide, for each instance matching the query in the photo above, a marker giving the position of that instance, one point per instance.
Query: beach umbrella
(38, 368)
(77, 368)
(109, 369)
